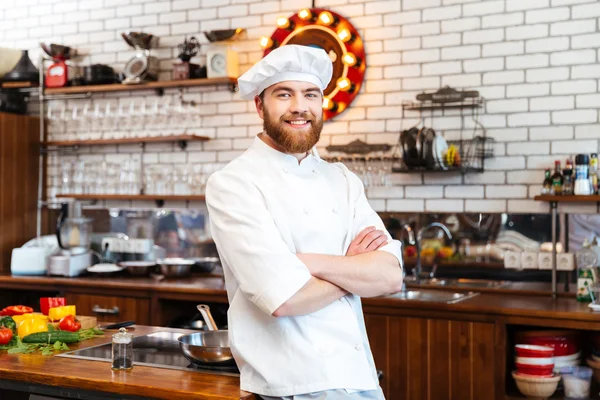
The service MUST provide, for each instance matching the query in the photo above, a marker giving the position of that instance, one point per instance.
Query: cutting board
(86, 322)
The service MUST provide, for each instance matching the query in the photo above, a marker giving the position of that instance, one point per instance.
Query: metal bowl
(223, 34)
(175, 267)
(207, 348)
(205, 264)
(138, 268)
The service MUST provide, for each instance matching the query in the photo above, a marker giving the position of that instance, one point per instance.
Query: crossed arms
(362, 271)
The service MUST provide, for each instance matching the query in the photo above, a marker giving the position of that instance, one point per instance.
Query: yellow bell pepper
(19, 318)
(58, 313)
(31, 325)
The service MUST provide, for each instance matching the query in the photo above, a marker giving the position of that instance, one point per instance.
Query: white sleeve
(365, 216)
(267, 271)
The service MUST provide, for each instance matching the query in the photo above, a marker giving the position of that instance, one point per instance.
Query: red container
(537, 370)
(533, 351)
(564, 342)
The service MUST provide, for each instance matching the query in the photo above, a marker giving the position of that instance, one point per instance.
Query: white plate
(594, 307)
(104, 268)
(137, 264)
(439, 148)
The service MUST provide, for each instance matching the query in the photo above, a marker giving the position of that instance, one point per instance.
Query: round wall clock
(333, 33)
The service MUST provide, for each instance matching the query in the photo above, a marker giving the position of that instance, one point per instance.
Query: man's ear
(259, 107)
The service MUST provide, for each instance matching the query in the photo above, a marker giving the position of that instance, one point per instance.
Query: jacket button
(316, 171)
(334, 210)
(357, 347)
(285, 170)
(305, 210)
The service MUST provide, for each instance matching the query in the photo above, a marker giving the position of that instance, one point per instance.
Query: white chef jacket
(264, 208)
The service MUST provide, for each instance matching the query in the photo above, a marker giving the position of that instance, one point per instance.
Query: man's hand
(369, 239)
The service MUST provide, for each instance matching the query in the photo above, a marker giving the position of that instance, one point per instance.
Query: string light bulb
(345, 85)
(305, 14)
(326, 18)
(283, 23)
(350, 60)
(266, 42)
(345, 35)
(329, 104)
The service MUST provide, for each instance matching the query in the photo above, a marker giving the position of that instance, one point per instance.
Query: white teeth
(297, 122)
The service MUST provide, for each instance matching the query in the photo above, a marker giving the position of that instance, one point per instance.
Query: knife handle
(119, 325)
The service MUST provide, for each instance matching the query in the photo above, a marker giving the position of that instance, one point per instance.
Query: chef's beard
(291, 140)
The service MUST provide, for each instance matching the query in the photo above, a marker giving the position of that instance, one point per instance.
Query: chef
(299, 243)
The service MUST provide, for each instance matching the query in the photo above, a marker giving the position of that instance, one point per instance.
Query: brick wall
(535, 61)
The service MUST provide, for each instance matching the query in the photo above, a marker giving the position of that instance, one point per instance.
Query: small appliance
(57, 74)
(32, 257)
(74, 235)
(221, 60)
(142, 66)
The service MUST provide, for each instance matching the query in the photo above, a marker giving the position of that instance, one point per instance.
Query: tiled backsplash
(535, 61)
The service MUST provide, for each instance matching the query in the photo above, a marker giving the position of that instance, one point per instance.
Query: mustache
(304, 115)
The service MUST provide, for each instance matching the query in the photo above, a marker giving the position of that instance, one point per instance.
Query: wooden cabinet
(111, 308)
(19, 162)
(431, 359)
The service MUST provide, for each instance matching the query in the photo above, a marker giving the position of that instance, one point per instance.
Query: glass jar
(122, 350)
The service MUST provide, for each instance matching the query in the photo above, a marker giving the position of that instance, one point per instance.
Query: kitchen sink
(439, 296)
(461, 283)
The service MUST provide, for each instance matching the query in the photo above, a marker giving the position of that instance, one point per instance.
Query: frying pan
(207, 348)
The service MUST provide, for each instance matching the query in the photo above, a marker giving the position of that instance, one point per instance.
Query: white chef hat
(287, 63)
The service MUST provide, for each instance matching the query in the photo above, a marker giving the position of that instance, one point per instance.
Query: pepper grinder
(122, 350)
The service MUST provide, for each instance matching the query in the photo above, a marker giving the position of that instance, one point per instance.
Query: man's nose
(298, 104)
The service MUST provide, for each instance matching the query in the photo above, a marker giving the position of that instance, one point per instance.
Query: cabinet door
(19, 161)
(111, 308)
(431, 359)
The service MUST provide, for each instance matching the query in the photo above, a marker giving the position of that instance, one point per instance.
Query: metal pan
(207, 348)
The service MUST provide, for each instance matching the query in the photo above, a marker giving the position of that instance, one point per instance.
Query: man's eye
(312, 95)
(283, 95)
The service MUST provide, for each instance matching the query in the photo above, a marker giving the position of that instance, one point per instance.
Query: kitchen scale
(57, 74)
(143, 66)
(159, 350)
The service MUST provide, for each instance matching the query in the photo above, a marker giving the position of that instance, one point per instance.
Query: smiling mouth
(298, 122)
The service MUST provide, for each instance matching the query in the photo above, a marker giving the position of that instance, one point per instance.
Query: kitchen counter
(464, 347)
(76, 378)
(517, 302)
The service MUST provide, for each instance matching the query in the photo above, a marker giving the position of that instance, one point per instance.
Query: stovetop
(159, 349)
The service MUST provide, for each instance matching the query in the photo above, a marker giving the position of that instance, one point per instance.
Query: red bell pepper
(69, 324)
(16, 310)
(46, 303)
(6, 335)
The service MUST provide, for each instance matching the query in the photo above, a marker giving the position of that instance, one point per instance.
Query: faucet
(417, 269)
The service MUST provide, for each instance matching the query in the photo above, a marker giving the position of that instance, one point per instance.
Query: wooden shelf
(152, 139)
(119, 87)
(569, 199)
(151, 197)
(18, 85)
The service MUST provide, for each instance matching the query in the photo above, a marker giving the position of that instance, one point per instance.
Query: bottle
(547, 185)
(594, 172)
(567, 188)
(557, 179)
(582, 181)
(586, 260)
(122, 350)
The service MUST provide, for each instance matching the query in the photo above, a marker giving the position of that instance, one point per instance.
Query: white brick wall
(537, 62)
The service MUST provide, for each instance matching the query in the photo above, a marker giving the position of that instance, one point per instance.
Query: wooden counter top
(206, 283)
(517, 300)
(35, 370)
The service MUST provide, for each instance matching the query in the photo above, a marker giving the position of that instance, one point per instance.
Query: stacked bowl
(565, 345)
(535, 375)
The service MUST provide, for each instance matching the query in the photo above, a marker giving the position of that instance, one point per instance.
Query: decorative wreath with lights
(333, 33)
